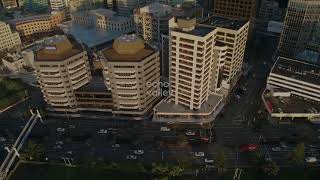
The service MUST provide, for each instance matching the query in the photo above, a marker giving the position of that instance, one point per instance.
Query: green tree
(175, 171)
(296, 157)
(164, 170)
(220, 162)
(33, 152)
(267, 166)
(182, 140)
(271, 168)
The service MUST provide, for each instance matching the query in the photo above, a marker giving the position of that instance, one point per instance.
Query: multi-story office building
(36, 6)
(293, 77)
(79, 5)
(204, 58)
(301, 17)
(236, 9)
(58, 5)
(62, 67)
(8, 4)
(152, 20)
(8, 38)
(271, 10)
(34, 27)
(131, 70)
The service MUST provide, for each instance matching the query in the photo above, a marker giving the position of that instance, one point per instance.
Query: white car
(276, 149)
(206, 160)
(190, 133)
(115, 145)
(2, 139)
(131, 157)
(139, 152)
(165, 129)
(57, 147)
(311, 159)
(59, 142)
(60, 129)
(199, 154)
(69, 152)
(102, 131)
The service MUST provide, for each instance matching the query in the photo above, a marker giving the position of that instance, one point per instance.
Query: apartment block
(62, 67)
(35, 27)
(236, 9)
(8, 39)
(300, 19)
(8, 4)
(131, 69)
(152, 20)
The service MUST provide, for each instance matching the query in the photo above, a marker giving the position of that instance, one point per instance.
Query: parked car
(311, 159)
(60, 129)
(165, 129)
(131, 157)
(190, 133)
(102, 131)
(276, 149)
(199, 154)
(206, 160)
(138, 152)
(248, 147)
(115, 145)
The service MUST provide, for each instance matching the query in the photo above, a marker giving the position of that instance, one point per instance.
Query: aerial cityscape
(159, 89)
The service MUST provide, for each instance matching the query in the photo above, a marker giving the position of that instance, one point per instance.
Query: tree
(33, 152)
(175, 171)
(271, 168)
(296, 157)
(220, 162)
(267, 166)
(182, 140)
(164, 170)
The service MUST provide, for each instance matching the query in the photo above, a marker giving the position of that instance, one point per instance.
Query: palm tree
(33, 152)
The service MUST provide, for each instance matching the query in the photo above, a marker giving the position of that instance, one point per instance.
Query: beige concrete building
(152, 20)
(8, 38)
(301, 17)
(205, 59)
(132, 74)
(236, 9)
(62, 67)
(35, 27)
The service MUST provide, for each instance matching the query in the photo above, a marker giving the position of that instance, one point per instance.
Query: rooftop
(157, 9)
(103, 12)
(128, 48)
(297, 69)
(33, 18)
(222, 22)
(57, 48)
(199, 30)
(12, 57)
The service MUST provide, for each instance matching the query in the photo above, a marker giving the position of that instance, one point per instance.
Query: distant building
(36, 27)
(301, 18)
(271, 10)
(236, 9)
(8, 38)
(13, 62)
(152, 20)
(8, 4)
(80, 5)
(58, 5)
(131, 70)
(62, 67)
(36, 6)
(125, 7)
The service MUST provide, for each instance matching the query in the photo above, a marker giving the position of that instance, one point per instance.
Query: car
(115, 145)
(57, 147)
(69, 152)
(190, 133)
(102, 131)
(2, 139)
(131, 157)
(206, 160)
(59, 142)
(248, 147)
(311, 159)
(276, 149)
(199, 154)
(165, 129)
(139, 152)
(59, 129)
(72, 126)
